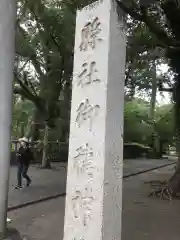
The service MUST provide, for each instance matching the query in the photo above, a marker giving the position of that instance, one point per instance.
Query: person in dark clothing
(24, 158)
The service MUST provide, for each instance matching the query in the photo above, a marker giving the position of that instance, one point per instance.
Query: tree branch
(129, 11)
(29, 83)
(39, 20)
(156, 29)
(25, 77)
(21, 92)
(162, 89)
(32, 55)
(25, 92)
(23, 87)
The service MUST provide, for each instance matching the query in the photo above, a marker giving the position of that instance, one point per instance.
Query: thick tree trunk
(177, 128)
(34, 130)
(22, 129)
(45, 160)
(171, 189)
(28, 129)
(33, 133)
(177, 117)
(174, 181)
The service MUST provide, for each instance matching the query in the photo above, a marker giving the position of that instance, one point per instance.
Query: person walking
(24, 156)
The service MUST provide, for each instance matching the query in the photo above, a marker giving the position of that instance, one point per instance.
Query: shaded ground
(149, 218)
(45, 183)
(51, 182)
(132, 166)
(143, 218)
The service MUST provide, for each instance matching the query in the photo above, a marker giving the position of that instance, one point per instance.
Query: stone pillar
(95, 167)
(7, 33)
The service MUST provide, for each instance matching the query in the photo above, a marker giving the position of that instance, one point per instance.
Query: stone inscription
(82, 205)
(83, 161)
(90, 34)
(86, 112)
(88, 74)
(81, 238)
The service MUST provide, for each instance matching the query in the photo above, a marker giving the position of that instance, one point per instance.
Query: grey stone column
(7, 34)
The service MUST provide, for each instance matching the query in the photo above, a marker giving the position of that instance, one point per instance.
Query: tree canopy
(44, 64)
(137, 123)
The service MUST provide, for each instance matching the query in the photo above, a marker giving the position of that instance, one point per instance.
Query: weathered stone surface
(94, 183)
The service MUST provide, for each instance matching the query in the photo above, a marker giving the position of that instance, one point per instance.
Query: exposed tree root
(167, 190)
(160, 189)
(164, 193)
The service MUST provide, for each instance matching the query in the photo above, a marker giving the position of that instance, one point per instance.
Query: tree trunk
(28, 129)
(172, 187)
(152, 110)
(67, 100)
(22, 129)
(33, 131)
(174, 181)
(161, 143)
(132, 89)
(45, 160)
(177, 128)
